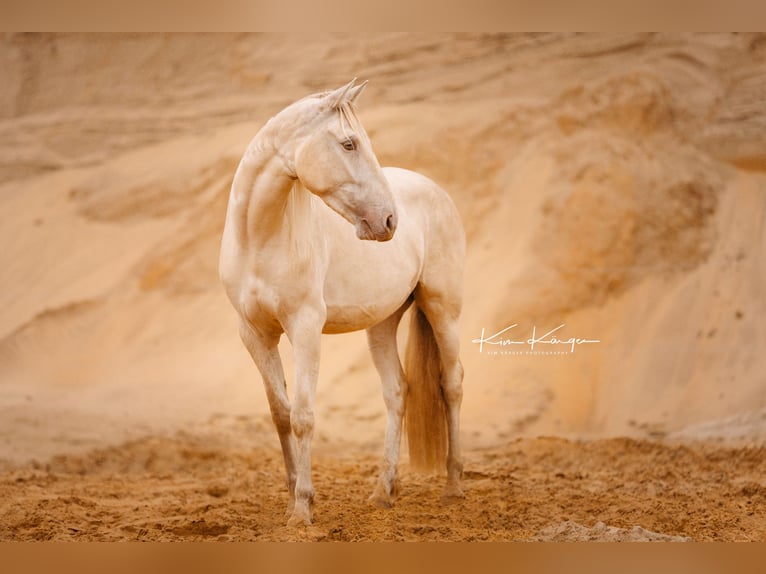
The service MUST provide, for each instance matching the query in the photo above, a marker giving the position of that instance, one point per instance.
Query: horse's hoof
(384, 495)
(296, 521)
(452, 494)
(380, 501)
(299, 517)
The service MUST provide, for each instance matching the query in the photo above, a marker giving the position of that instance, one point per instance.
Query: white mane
(298, 220)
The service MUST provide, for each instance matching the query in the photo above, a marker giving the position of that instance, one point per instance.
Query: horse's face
(335, 161)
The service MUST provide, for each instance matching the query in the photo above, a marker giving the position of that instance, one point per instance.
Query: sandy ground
(613, 184)
(199, 487)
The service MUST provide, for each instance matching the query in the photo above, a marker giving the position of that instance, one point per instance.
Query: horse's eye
(349, 145)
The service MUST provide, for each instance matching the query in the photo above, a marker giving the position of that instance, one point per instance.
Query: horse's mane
(298, 219)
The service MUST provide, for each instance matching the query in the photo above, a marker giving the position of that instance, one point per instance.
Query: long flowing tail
(425, 418)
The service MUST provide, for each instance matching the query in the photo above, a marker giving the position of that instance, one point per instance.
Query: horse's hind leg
(265, 354)
(442, 314)
(382, 342)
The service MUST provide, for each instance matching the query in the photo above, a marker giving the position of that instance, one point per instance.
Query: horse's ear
(337, 97)
(354, 92)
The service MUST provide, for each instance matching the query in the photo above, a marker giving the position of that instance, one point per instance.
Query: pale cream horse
(291, 263)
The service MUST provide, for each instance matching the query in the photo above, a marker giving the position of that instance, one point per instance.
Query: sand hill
(614, 184)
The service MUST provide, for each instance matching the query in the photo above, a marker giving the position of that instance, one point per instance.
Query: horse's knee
(281, 420)
(280, 410)
(302, 422)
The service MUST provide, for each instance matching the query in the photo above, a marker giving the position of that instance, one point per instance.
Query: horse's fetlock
(304, 493)
(455, 468)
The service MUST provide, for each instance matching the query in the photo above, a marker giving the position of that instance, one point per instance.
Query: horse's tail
(425, 407)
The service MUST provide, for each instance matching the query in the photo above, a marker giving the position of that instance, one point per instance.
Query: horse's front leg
(304, 332)
(265, 353)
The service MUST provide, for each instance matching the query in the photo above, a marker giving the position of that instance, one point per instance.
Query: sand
(613, 184)
(200, 487)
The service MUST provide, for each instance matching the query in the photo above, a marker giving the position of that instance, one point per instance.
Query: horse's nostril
(390, 222)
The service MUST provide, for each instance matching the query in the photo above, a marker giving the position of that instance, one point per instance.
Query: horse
(291, 264)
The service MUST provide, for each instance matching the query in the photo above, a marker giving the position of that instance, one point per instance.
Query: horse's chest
(274, 291)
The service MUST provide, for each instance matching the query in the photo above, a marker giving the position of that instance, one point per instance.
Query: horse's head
(333, 158)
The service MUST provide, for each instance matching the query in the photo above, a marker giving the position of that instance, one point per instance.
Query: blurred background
(615, 185)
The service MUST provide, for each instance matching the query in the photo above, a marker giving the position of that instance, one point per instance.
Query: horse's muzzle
(378, 229)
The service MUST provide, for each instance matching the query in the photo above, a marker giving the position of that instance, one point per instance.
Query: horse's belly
(344, 317)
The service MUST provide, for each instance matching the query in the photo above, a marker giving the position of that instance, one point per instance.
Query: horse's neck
(274, 208)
